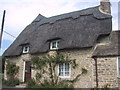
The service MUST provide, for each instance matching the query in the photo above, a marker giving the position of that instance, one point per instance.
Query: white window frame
(118, 71)
(24, 63)
(28, 48)
(64, 71)
(56, 45)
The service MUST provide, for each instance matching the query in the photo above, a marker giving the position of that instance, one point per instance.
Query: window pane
(66, 73)
(57, 43)
(61, 69)
(66, 67)
(53, 44)
(61, 74)
(26, 48)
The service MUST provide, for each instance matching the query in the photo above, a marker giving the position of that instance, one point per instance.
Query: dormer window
(54, 44)
(26, 49)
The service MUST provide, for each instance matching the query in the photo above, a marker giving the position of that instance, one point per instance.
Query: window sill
(25, 53)
(53, 48)
(64, 76)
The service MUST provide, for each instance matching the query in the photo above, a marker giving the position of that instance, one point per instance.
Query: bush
(31, 83)
(11, 82)
(11, 69)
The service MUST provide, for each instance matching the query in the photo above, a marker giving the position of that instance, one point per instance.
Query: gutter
(96, 69)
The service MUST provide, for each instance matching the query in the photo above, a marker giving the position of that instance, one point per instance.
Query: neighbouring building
(84, 35)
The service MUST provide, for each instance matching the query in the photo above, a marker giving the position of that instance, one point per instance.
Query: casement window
(118, 66)
(64, 70)
(54, 44)
(26, 49)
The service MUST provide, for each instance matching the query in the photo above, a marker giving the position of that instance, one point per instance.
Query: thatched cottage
(84, 35)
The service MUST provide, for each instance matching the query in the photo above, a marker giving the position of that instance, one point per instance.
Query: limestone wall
(107, 72)
(107, 68)
(84, 60)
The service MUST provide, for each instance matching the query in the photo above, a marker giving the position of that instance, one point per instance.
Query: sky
(20, 13)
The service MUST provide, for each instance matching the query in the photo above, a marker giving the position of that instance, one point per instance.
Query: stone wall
(84, 60)
(107, 68)
(107, 72)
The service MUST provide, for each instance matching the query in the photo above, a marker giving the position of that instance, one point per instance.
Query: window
(64, 70)
(118, 66)
(25, 49)
(54, 45)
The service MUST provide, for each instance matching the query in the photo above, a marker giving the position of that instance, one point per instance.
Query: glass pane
(66, 67)
(60, 73)
(53, 44)
(66, 73)
(61, 69)
(26, 49)
(57, 44)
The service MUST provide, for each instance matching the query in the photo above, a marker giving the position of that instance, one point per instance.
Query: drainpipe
(96, 69)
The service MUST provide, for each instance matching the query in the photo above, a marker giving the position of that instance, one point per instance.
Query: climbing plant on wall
(47, 65)
(11, 70)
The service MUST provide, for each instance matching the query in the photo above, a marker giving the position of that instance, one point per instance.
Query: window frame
(118, 71)
(28, 49)
(56, 44)
(64, 71)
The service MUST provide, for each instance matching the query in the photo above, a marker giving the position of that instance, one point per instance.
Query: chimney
(105, 7)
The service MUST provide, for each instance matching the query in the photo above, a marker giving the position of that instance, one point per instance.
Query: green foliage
(39, 63)
(31, 83)
(84, 71)
(11, 69)
(50, 62)
(11, 82)
(47, 84)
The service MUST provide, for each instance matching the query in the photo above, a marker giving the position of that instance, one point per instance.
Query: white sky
(20, 13)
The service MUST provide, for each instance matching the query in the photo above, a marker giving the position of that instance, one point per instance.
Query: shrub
(11, 82)
(31, 83)
(11, 69)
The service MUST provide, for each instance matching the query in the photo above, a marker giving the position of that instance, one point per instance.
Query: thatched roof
(77, 29)
(111, 49)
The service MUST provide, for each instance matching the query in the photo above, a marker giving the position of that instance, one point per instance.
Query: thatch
(77, 29)
(112, 49)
